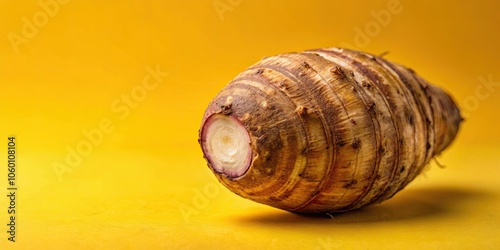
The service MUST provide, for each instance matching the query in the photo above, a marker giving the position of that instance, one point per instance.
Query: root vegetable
(325, 130)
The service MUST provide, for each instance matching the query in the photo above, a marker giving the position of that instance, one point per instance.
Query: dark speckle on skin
(274, 198)
(227, 109)
(411, 120)
(371, 107)
(381, 150)
(338, 72)
(356, 144)
(350, 184)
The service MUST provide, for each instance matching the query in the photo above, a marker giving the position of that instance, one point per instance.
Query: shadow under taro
(407, 205)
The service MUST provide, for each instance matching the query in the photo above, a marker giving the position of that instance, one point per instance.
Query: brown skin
(333, 130)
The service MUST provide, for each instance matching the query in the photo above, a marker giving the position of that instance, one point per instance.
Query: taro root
(326, 130)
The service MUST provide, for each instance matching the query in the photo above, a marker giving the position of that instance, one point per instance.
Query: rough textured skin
(334, 129)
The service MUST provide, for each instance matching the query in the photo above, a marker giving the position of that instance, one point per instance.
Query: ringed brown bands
(325, 130)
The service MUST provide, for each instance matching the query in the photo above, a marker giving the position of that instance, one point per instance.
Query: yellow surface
(144, 184)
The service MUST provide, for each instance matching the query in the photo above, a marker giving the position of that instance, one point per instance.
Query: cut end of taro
(226, 145)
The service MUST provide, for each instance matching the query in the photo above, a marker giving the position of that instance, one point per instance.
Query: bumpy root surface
(325, 130)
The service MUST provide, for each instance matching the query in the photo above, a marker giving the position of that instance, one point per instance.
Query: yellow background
(146, 186)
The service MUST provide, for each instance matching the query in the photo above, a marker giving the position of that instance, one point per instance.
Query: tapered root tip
(226, 145)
